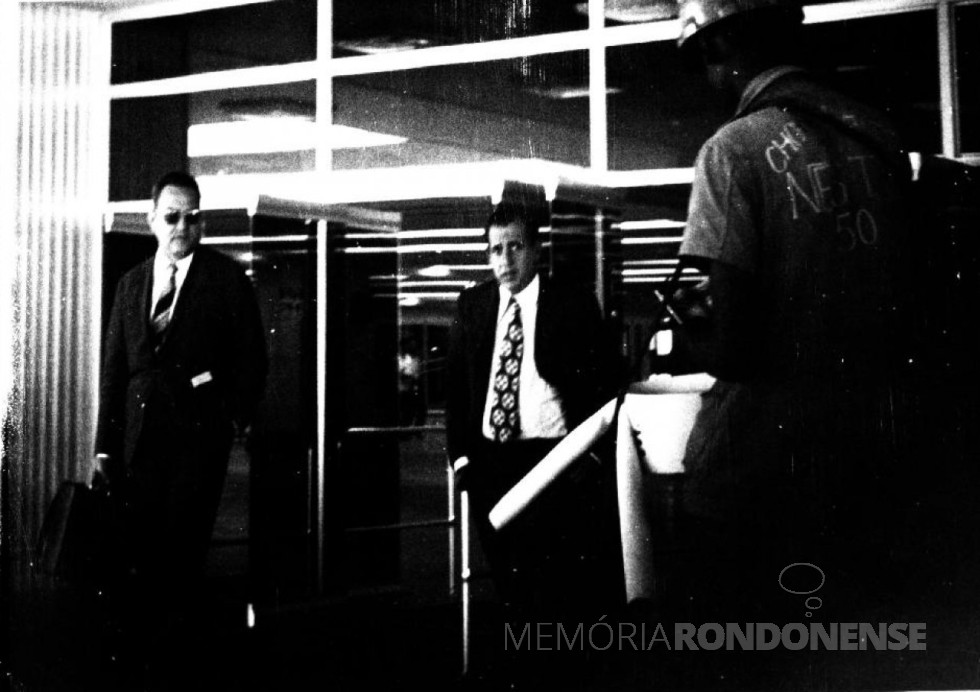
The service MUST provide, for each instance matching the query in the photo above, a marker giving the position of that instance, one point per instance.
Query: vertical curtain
(59, 189)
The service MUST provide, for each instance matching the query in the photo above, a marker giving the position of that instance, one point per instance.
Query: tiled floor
(407, 635)
(377, 643)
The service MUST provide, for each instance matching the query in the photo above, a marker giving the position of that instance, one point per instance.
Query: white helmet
(695, 15)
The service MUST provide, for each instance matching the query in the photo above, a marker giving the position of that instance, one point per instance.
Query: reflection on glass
(363, 28)
(967, 23)
(266, 129)
(254, 35)
(890, 62)
(659, 112)
(635, 11)
(281, 260)
(535, 107)
(146, 137)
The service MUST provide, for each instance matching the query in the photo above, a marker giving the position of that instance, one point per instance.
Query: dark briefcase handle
(74, 537)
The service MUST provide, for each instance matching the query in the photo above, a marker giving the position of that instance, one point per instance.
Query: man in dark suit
(528, 361)
(184, 367)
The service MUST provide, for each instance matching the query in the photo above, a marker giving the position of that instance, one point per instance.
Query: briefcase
(74, 543)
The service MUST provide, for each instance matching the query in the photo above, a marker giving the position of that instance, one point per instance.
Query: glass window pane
(659, 113)
(363, 28)
(891, 62)
(535, 107)
(268, 129)
(265, 129)
(271, 33)
(967, 27)
(635, 11)
(147, 137)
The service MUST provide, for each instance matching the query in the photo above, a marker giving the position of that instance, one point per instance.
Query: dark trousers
(559, 558)
(169, 496)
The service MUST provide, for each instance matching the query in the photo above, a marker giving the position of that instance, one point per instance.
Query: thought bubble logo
(798, 579)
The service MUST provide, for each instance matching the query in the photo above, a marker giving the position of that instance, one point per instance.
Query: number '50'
(857, 227)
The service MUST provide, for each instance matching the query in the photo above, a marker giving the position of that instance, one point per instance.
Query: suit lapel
(485, 319)
(139, 313)
(488, 322)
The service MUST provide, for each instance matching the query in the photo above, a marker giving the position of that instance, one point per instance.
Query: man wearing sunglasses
(184, 367)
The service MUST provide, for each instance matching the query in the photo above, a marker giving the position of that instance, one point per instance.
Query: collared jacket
(208, 370)
(573, 353)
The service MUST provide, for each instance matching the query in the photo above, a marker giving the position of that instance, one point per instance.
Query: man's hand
(461, 472)
(694, 304)
(242, 430)
(98, 471)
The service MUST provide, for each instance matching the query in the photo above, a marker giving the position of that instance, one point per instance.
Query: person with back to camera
(183, 370)
(797, 217)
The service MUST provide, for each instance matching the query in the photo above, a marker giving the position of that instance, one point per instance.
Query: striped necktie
(161, 311)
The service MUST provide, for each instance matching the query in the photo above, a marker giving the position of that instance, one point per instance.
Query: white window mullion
(598, 111)
(324, 162)
(212, 81)
(171, 8)
(588, 39)
(948, 109)
(859, 9)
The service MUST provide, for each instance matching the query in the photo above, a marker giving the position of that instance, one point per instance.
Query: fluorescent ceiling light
(653, 271)
(270, 135)
(650, 241)
(252, 239)
(654, 279)
(649, 177)
(428, 284)
(634, 11)
(420, 234)
(383, 44)
(460, 180)
(653, 224)
(443, 270)
(416, 249)
(346, 137)
(564, 93)
(649, 262)
(426, 295)
(441, 233)
(436, 271)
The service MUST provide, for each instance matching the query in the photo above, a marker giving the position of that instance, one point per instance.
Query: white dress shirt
(540, 408)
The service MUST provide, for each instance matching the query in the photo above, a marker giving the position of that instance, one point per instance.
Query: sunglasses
(191, 218)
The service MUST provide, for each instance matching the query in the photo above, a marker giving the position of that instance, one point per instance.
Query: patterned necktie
(504, 414)
(161, 312)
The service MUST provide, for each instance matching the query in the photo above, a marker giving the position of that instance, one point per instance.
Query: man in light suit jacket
(568, 369)
(184, 367)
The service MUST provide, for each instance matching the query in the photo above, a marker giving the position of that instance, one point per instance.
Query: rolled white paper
(637, 542)
(579, 440)
(661, 424)
(673, 384)
(575, 444)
